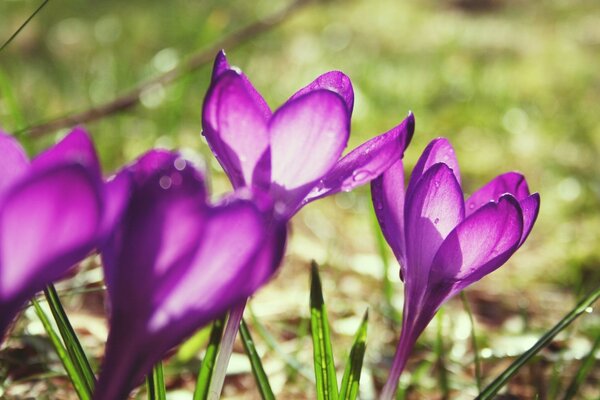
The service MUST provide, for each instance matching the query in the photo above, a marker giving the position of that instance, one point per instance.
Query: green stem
(259, 373)
(80, 387)
(155, 383)
(23, 25)
(476, 358)
(441, 356)
(490, 391)
(72, 344)
(584, 370)
(208, 362)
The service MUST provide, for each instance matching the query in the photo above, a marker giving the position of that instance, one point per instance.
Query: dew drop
(471, 206)
(436, 221)
(280, 207)
(360, 175)
(165, 182)
(180, 164)
(437, 184)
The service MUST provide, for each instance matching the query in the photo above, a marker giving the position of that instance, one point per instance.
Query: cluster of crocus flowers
(174, 261)
(54, 210)
(444, 243)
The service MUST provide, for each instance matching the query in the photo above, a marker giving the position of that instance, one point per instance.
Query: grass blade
(208, 363)
(476, 359)
(322, 351)
(586, 366)
(72, 344)
(441, 355)
(351, 379)
(289, 360)
(23, 25)
(490, 391)
(155, 384)
(257, 369)
(80, 387)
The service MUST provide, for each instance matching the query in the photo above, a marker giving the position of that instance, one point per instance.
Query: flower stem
(490, 391)
(231, 329)
(476, 359)
(402, 352)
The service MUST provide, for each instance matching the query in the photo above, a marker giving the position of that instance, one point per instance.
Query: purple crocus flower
(54, 210)
(293, 154)
(175, 263)
(443, 243)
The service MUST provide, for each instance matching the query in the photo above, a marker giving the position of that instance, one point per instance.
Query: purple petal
(220, 65)
(235, 126)
(165, 189)
(530, 207)
(174, 265)
(116, 195)
(366, 162)
(76, 147)
(438, 151)
(13, 163)
(47, 223)
(308, 136)
(480, 244)
(510, 182)
(387, 193)
(335, 81)
(434, 210)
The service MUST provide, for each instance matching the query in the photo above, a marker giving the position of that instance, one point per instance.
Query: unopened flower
(54, 210)
(293, 154)
(175, 263)
(443, 243)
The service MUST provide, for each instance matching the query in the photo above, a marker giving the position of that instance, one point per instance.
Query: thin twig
(196, 61)
(23, 25)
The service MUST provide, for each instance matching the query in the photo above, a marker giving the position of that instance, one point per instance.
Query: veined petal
(221, 273)
(48, 222)
(308, 136)
(76, 147)
(510, 182)
(13, 162)
(480, 244)
(335, 81)
(366, 162)
(437, 151)
(432, 212)
(116, 195)
(221, 65)
(387, 193)
(235, 126)
(530, 206)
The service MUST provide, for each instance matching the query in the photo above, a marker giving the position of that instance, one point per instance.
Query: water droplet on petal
(360, 175)
(436, 221)
(180, 164)
(437, 184)
(165, 182)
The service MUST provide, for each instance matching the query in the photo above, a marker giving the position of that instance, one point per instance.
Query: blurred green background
(515, 85)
